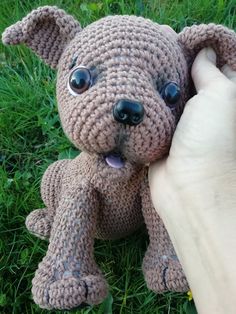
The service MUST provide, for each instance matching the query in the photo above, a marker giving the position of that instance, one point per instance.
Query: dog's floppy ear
(46, 30)
(220, 38)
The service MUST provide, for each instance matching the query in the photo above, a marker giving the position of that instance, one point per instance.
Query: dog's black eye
(79, 81)
(170, 92)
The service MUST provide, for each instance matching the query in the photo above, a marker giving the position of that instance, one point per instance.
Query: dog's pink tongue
(114, 161)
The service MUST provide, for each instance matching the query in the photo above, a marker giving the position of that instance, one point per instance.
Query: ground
(31, 138)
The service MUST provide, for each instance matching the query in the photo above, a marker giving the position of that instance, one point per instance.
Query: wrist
(185, 199)
(201, 220)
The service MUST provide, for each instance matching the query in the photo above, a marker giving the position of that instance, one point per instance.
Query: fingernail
(211, 55)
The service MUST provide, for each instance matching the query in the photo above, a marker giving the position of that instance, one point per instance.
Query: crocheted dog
(122, 85)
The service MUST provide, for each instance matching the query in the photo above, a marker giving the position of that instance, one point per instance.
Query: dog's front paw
(164, 274)
(71, 292)
(56, 289)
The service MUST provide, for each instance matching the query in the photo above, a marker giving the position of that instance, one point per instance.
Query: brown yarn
(46, 31)
(131, 58)
(220, 38)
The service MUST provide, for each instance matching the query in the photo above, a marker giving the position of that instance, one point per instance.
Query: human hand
(193, 189)
(203, 150)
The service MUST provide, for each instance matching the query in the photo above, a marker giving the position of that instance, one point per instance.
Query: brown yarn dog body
(115, 216)
(123, 119)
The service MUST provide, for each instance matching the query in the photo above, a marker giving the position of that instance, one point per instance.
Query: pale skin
(194, 188)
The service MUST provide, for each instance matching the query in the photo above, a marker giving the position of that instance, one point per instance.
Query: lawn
(31, 138)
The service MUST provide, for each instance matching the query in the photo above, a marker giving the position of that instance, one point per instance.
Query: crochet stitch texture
(131, 59)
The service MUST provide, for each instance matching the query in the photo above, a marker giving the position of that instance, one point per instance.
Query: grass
(31, 138)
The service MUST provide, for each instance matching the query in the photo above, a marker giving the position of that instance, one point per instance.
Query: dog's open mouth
(115, 160)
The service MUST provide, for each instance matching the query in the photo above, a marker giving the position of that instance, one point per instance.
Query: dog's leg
(39, 221)
(161, 267)
(68, 275)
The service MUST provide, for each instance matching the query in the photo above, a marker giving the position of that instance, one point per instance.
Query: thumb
(204, 69)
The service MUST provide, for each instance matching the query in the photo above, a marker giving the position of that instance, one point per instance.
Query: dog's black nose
(128, 112)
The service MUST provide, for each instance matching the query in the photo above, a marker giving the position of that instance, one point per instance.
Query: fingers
(229, 73)
(204, 70)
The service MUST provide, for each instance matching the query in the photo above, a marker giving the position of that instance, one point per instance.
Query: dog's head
(122, 81)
